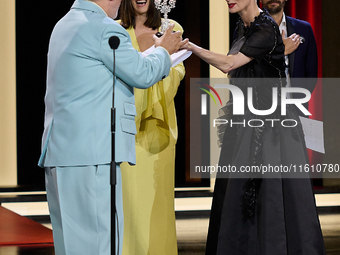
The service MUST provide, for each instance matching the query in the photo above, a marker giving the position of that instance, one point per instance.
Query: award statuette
(165, 8)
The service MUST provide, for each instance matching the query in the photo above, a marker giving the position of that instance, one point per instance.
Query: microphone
(114, 42)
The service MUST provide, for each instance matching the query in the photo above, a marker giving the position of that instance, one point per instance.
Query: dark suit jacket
(303, 63)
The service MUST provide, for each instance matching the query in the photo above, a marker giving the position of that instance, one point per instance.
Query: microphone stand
(114, 43)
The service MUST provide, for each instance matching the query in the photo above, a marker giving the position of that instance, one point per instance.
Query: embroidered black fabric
(251, 215)
(262, 42)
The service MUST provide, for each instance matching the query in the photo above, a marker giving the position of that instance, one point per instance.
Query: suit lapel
(291, 57)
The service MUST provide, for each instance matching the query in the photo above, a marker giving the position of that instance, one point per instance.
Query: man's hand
(172, 42)
(291, 43)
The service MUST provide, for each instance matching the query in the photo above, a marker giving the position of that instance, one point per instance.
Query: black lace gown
(263, 216)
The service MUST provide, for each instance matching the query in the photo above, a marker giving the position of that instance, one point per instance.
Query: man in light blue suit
(76, 144)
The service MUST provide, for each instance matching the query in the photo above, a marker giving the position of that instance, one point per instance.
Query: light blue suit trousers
(79, 203)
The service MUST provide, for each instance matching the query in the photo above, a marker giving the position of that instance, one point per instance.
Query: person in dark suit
(300, 47)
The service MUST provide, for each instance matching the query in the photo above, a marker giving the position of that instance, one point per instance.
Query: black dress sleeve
(260, 40)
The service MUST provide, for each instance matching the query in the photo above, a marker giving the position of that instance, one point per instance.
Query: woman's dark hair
(127, 15)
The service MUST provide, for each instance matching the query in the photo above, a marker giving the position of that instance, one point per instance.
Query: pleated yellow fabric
(148, 187)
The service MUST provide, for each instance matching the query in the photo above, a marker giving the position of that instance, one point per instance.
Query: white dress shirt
(283, 27)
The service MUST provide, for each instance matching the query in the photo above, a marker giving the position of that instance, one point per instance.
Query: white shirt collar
(283, 22)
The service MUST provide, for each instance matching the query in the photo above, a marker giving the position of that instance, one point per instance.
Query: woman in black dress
(252, 214)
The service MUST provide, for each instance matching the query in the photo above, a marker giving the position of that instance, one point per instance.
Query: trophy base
(159, 34)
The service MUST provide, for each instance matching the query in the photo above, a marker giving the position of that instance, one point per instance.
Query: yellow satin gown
(148, 187)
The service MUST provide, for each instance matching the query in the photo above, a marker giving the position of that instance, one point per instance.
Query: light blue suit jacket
(79, 89)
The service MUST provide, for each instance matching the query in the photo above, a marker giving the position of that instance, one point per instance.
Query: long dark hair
(128, 14)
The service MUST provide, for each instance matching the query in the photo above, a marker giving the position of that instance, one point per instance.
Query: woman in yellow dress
(148, 187)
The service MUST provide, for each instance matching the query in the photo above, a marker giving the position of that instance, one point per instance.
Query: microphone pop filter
(114, 42)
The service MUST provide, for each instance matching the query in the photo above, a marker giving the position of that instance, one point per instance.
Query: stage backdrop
(311, 11)
(330, 63)
(34, 23)
(8, 162)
